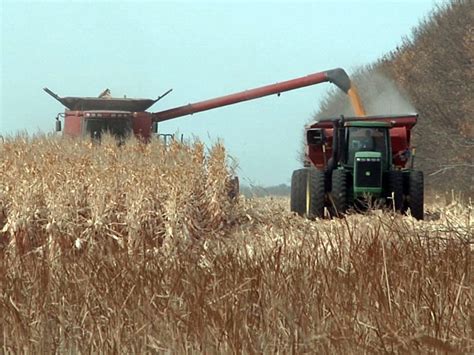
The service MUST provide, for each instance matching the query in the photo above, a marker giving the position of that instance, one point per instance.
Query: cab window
(366, 139)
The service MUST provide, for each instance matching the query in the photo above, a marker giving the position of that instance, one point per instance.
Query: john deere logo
(367, 173)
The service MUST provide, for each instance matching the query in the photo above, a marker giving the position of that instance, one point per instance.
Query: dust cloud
(379, 95)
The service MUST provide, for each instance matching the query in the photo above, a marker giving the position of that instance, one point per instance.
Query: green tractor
(353, 163)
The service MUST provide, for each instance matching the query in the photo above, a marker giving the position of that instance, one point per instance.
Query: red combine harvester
(348, 160)
(90, 116)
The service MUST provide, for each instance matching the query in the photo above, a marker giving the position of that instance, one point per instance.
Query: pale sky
(201, 50)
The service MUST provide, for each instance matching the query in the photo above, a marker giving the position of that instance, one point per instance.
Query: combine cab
(353, 161)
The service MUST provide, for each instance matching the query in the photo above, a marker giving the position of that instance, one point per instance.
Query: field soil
(140, 249)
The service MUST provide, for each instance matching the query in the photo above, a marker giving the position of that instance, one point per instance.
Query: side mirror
(315, 136)
(58, 125)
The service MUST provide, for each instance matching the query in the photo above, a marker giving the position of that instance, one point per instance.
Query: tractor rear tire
(339, 193)
(308, 192)
(394, 186)
(416, 194)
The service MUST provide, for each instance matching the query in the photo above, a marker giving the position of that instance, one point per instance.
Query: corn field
(139, 248)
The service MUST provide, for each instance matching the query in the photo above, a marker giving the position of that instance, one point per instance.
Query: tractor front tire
(339, 194)
(416, 194)
(394, 192)
(298, 191)
(308, 192)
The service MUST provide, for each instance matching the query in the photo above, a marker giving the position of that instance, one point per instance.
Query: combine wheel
(395, 187)
(339, 193)
(415, 194)
(307, 192)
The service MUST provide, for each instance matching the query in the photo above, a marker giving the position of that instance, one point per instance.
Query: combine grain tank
(91, 116)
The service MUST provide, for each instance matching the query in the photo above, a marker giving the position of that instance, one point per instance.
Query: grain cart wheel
(416, 194)
(307, 192)
(394, 184)
(339, 193)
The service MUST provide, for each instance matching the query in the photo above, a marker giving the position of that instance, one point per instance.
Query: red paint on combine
(242, 96)
(142, 124)
(73, 122)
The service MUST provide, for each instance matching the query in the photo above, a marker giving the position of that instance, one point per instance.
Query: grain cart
(352, 160)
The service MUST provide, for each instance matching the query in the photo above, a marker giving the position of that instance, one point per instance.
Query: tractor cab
(361, 137)
(365, 153)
